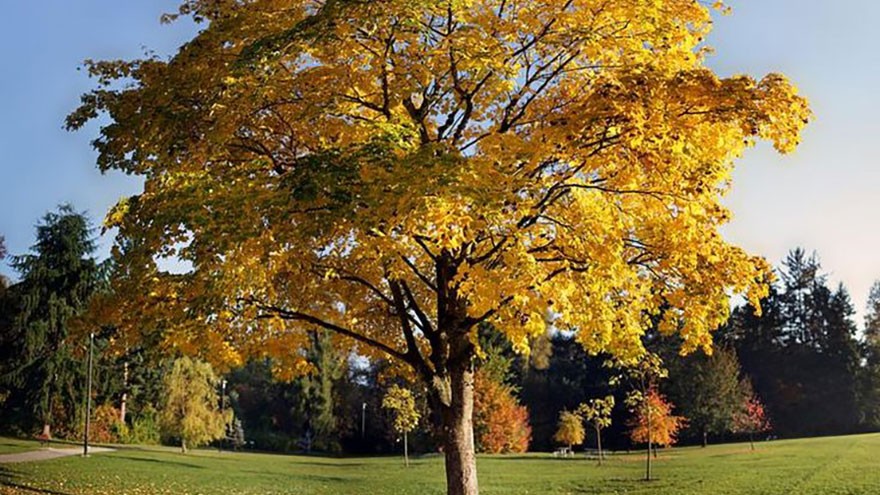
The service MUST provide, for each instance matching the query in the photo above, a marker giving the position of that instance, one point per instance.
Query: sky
(823, 197)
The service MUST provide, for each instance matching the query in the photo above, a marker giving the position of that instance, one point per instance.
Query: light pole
(363, 419)
(88, 397)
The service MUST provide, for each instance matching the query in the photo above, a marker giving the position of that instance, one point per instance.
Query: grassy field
(838, 465)
(14, 445)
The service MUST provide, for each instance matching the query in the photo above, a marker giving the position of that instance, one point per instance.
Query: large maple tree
(399, 171)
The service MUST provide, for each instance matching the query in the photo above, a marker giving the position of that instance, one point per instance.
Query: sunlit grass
(844, 465)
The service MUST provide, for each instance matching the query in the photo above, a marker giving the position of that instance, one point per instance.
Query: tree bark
(458, 433)
(705, 438)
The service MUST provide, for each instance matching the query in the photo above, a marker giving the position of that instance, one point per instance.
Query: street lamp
(363, 419)
(88, 397)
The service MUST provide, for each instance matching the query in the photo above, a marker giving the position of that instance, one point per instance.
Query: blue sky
(823, 197)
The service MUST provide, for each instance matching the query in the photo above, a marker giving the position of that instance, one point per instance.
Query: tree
(801, 353)
(597, 412)
(570, 430)
(398, 172)
(654, 422)
(190, 410)
(43, 371)
(406, 417)
(501, 424)
(750, 418)
(706, 390)
(869, 377)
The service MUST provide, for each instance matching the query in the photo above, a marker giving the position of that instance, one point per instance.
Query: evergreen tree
(869, 376)
(801, 351)
(43, 369)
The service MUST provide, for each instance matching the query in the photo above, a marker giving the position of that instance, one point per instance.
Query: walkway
(46, 454)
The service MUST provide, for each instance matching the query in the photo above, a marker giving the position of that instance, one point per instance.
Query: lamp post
(88, 397)
(363, 419)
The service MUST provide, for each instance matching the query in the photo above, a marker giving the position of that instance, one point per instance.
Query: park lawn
(834, 465)
(16, 445)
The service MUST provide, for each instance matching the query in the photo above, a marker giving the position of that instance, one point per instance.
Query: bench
(44, 439)
(563, 452)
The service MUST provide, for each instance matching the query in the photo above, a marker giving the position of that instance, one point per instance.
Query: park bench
(44, 439)
(563, 452)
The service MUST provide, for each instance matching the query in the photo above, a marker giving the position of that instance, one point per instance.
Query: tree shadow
(158, 461)
(11, 479)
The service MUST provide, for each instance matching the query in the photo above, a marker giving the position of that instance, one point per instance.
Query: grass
(836, 465)
(14, 445)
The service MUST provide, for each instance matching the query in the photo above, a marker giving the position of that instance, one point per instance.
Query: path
(46, 454)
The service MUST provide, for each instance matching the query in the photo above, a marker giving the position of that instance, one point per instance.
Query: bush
(144, 429)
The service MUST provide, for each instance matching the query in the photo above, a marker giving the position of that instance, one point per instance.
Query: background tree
(406, 417)
(400, 172)
(570, 431)
(501, 424)
(41, 371)
(750, 418)
(597, 412)
(706, 389)
(801, 352)
(869, 380)
(190, 409)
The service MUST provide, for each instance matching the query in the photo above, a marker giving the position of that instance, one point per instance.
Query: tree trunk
(183, 445)
(752, 441)
(124, 401)
(458, 433)
(599, 443)
(650, 435)
(405, 450)
(705, 438)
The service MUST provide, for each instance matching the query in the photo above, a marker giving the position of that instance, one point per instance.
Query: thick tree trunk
(458, 434)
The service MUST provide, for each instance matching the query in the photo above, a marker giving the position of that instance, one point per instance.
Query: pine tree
(44, 368)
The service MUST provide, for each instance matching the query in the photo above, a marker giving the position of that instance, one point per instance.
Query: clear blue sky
(824, 197)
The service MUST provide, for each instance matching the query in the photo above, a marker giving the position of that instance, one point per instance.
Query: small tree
(654, 422)
(751, 418)
(406, 416)
(501, 424)
(190, 410)
(238, 440)
(571, 429)
(598, 413)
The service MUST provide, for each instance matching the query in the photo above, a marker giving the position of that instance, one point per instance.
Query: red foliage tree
(501, 424)
(654, 422)
(751, 418)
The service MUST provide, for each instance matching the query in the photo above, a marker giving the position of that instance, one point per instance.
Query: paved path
(46, 454)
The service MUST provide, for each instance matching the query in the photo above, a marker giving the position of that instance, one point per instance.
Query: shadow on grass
(11, 479)
(159, 461)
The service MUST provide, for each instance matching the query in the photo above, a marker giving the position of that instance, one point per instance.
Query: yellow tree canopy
(399, 171)
(570, 430)
(402, 403)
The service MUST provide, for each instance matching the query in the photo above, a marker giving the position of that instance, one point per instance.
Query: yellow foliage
(400, 171)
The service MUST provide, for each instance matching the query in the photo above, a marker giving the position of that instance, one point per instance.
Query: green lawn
(14, 445)
(839, 465)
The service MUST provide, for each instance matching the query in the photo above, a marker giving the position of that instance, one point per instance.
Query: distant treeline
(802, 356)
